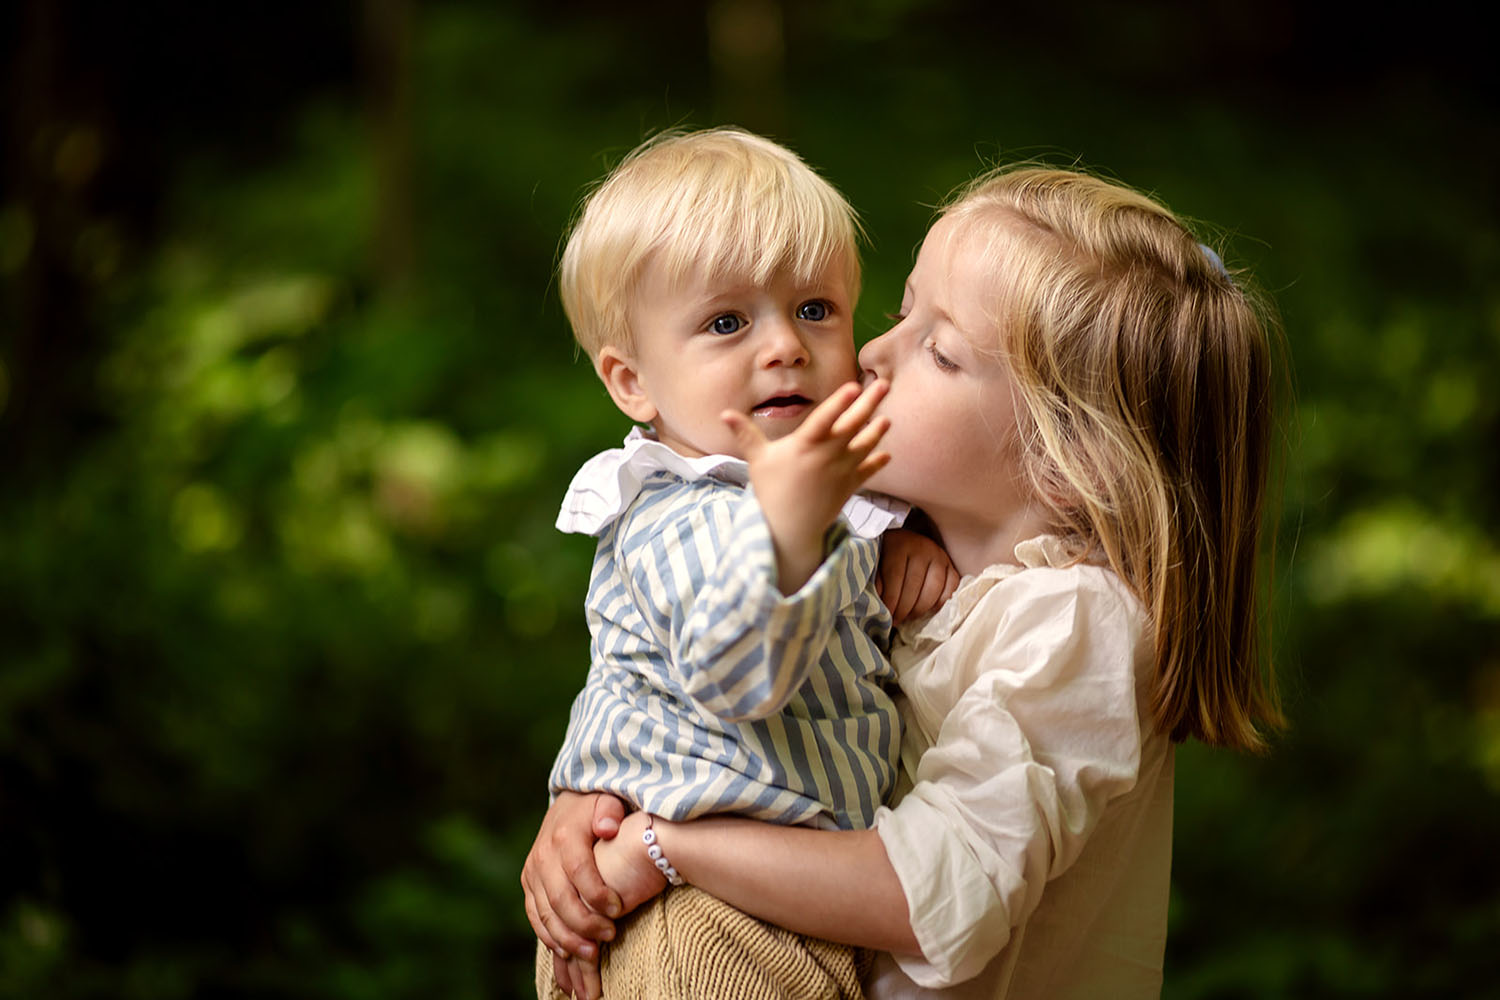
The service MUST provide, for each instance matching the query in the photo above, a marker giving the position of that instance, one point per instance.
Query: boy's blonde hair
(722, 200)
(1145, 372)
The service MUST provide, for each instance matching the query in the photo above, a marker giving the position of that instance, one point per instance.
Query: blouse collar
(1034, 553)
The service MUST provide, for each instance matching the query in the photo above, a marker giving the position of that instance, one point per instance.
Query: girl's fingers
(593, 987)
(539, 925)
(585, 979)
(563, 976)
(554, 930)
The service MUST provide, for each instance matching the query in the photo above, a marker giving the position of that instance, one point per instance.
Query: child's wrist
(656, 853)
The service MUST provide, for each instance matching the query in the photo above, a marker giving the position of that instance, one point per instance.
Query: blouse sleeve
(1042, 733)
(740, 648)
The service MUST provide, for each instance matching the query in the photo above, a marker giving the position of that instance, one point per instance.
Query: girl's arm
(567, 901)
(832, 884)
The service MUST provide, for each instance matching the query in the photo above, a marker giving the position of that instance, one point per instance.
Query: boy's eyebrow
(717, 296)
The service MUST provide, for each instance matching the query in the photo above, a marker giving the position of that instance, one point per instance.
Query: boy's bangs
(740, 233)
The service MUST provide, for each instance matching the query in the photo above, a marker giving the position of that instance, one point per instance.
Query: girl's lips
(782, 406)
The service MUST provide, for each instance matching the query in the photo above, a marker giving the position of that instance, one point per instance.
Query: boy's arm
(803, 480)
(916, 576)
(741, 645)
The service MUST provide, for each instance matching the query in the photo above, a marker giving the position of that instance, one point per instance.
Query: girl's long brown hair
(1146, 374)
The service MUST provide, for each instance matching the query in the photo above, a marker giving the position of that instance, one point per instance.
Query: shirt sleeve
(1043, 734)
(740, 648)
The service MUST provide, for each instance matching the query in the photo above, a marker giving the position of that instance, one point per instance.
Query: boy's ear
(618, 371)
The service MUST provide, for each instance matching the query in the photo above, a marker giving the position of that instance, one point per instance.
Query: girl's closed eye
(726, 324)
(940, 359)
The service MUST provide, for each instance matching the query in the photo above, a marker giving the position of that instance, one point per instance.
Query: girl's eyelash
(939, 360)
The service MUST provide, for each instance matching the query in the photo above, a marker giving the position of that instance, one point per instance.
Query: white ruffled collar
(1033, 553)
(611, 480)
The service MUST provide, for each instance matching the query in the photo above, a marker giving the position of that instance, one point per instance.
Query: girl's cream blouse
(1034, 843)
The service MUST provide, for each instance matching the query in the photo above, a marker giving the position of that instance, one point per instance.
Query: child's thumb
(746, 434)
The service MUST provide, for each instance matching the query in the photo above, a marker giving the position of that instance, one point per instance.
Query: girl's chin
(883, 481)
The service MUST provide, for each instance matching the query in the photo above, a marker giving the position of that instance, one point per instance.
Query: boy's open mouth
(778, 406)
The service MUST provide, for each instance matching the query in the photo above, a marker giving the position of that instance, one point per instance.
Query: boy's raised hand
(803, 479)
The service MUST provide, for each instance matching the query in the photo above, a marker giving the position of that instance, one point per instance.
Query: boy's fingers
(857, 414)
(933, 583)
(745, 432)
(872, 464)
(911, 593)
(869, 435)
(827, 414)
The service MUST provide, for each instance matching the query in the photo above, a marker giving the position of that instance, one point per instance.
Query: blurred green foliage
(287, 639)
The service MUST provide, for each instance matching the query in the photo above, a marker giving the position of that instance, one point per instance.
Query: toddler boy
(738, 643)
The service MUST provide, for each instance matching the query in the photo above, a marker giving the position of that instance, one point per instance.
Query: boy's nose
(783, 346)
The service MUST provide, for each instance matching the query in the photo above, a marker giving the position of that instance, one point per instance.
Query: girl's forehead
(967, 256)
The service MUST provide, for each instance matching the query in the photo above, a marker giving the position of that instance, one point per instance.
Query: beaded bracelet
(655, 853)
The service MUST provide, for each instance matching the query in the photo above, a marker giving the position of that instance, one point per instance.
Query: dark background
(287, 404)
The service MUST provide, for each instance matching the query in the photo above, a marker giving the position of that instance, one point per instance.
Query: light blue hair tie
(1215, 260)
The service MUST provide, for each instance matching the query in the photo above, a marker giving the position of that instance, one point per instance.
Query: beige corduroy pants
(688, 945)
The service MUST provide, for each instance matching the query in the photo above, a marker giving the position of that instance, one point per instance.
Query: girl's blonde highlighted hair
(724, 201)
(1145, 371)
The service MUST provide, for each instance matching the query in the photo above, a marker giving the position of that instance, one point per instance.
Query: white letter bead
(658, 856)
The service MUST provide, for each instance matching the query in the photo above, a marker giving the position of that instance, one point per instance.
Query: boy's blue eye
(814, 311)
(727, 323)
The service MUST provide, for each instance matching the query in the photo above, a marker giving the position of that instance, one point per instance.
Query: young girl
(1080, 400)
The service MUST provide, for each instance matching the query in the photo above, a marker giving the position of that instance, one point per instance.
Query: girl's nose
(873, 357)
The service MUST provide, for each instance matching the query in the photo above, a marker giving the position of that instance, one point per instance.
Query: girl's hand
(803, 479)
(625, 866)
(567, 902)
(916, 576)
(627, 870)
(577, 978)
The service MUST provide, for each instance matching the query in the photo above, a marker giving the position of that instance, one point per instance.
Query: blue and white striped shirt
(712, 692)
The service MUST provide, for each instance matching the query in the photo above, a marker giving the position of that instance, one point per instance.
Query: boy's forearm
(743, 648)
(837, 885)
(797, 556)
